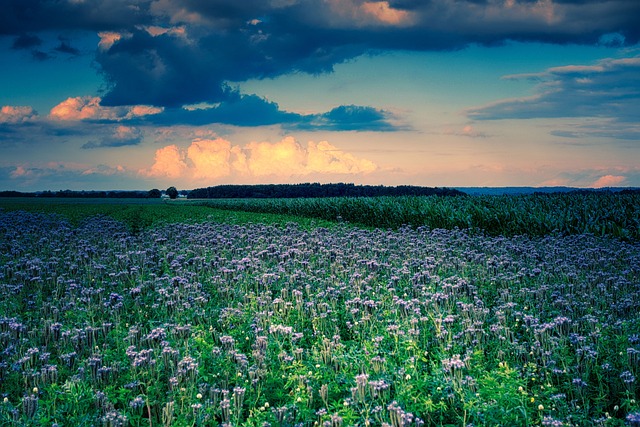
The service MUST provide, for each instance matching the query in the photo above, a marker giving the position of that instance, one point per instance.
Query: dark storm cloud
(19, 16)
(349, 118)
(238, 110)
(65, 47)
(120, 137)
(173, 53)
(39, 55)
(252, 110)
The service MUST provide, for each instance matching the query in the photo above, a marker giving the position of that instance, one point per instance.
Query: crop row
(535, 215)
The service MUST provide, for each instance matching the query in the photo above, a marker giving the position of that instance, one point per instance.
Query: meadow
(173, 314)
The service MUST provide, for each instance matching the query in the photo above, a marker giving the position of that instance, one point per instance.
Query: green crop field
(467, 311)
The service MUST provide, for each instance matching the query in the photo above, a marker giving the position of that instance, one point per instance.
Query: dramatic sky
(141, 94)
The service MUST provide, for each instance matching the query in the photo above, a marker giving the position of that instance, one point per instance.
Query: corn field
(616, 215)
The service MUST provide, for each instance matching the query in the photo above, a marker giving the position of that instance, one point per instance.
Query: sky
(141, 94)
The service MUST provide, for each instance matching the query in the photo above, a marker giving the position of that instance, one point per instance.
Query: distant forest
(308, 190)
(314, 190)
(151, 194)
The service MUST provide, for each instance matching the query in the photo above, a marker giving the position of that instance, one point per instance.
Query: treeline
(151, 194)
(314, 190)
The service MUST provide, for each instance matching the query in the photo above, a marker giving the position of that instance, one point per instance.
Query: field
(177, 314)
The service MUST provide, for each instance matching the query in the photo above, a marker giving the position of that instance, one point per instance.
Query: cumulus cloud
(219, 159)
(169, 163)
(16, 115)
(89, 108)
(210, 158)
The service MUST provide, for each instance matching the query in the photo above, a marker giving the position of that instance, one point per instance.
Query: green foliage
(140, 214)
(172, 192)
(602, 214)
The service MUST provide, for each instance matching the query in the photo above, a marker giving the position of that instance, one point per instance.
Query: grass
(139, 214)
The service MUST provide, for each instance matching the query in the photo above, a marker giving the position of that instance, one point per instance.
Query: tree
(172, 192)
(154, 194)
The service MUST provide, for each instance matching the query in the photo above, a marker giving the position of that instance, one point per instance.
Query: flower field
(213, 322)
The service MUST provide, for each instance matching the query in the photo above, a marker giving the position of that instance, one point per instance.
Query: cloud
(65, 47)
(122, 136)
(20, 16)
(211, 159)
(597, 177)
(466, 130)
(252, 110)
(171, 53)
(39, 55)
(16, 115)
(238, 110)
(349, 118)
(607, 90)
(369, 13)
(169, 162)
(218, 159)
(325, 158)
(26, 41)
(609, 181)
(89, 108)
(62, 175)
(610, 128)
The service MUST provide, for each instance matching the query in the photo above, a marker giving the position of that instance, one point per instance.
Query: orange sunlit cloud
(89, 108)
(609, 181)
(169, 162)
(15, 115)
(210, 158)
(368, 13)
(284, 158)
(218, 158)
(386, 14)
